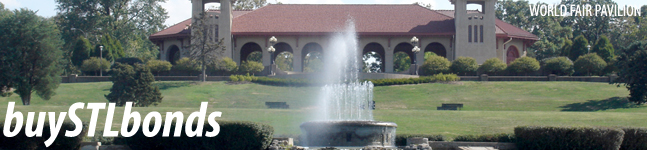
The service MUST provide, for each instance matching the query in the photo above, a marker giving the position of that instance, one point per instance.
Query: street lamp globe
(273, 40)
(271, 49)
(414, 40)
(415, 49)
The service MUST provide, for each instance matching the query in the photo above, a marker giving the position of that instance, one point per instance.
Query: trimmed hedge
(634, 139)
(401, 139)
(503, 137)
(568, 138)
(235, 135)
(425, 79)
(22, 142)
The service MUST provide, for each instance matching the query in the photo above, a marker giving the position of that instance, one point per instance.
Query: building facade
(384, 29)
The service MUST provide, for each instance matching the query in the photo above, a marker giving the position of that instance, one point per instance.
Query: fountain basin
(348, 134)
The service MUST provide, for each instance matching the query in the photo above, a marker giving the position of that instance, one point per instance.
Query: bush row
(233, 135)
(503, 137)
(424, 79)
(634, 139)
(533, 137)
(401, 139)
(22, 142)
(242, 78)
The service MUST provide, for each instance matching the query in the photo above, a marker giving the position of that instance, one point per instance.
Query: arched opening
(312, 55)
(251, 52)
(402, 57)
(437, 49)
(173, 54)
(284, 61)
(512, 54)
(373, 57)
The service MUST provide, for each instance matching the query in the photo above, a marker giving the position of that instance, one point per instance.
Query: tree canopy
(632, 68)
(29, 54)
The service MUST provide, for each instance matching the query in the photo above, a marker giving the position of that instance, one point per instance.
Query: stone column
(612, 78)
(224, 25)
(484, 77)
(297, 60)
(552, 77)
(388, 60)
(72, 78)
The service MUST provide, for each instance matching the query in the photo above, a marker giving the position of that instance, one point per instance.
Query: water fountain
(345, 117)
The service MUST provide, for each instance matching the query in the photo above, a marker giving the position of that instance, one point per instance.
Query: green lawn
(490, 107)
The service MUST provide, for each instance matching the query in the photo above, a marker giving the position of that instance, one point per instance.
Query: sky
(179, 10)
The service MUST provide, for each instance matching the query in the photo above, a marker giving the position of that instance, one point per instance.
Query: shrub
(401, 139)
(133, 84)
(559, 66)
(233, 78)
(464, 65)
(158, 65)
(427, 79)
(129, 60)
(81, 51)
(524, 65)
(95, 64)
(634, 139)
(492, 66)
(604, 48)
(503, 137)
(251, 67)
(22, 142)
(226, 65)
(232, 135)
(589, 64)
(568, 138)
(186, 64)
(578, 48)
(435, 65)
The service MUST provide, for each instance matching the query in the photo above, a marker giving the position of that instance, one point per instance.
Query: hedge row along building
(384, 29)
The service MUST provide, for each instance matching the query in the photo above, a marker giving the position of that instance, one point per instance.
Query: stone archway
(310, 52)
(377, 48)
(406, 49)
(512, 54)
(437, 49)
(173, 54)
(248, 49)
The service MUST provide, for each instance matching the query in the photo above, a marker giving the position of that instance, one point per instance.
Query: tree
(464, 65)
(589, 64)
(604, 48)
(30, 49)
(249, 4)
(566, 48)
(312, 62)
(492, 66)
(632, 68)
(429, 54)
(579, 48)
(94, 64)
(435, 65)
(205, 47)
(284, 61)
(187, 65)
(226, 65)
(82, 51)
(401, 62)
(524, 65)
(251, 67)
(372, 62)
(112, 49)
(133, 84)
(158, 65)
(559, 66)
(256, 56)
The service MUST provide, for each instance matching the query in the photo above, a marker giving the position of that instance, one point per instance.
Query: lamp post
(100, 61)
(415, 50)
(271, 49)
(588, 47)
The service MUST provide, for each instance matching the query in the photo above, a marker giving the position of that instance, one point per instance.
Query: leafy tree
(312, 62)
(187, 65)
(112, 49)
(158, 65)
(133, 84)
(464, 65)
(372, 62)
(566, 48)
(401, 62)
(429, 54)
(226, 65)
(251, 67)
(589, 64)
(30, 49)
(524, 65)
(94, 64)
(256, 56)
(82, 51)
(632, 68)
(249, 4)
(492, 66)
(579, 47)
(559, 66)
(204, 47)
(284, 61)
(435, 65)
(604, 48)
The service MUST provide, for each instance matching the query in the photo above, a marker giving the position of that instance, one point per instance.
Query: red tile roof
(307, 19)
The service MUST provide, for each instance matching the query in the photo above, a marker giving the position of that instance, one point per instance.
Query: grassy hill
(490, 107)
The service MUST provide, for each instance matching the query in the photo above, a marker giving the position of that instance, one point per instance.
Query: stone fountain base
(348, 134)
